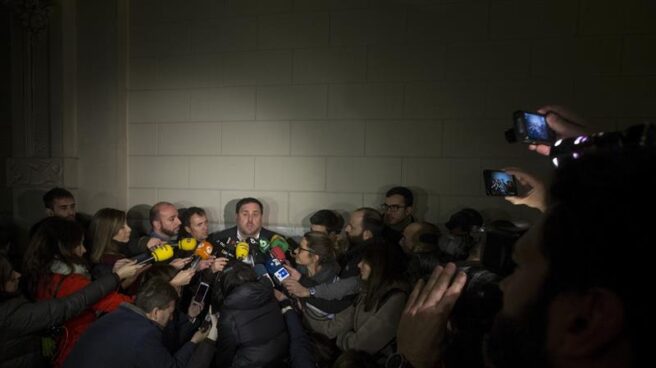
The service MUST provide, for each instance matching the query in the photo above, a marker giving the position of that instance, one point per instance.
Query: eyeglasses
(393, 207)
(300, 249)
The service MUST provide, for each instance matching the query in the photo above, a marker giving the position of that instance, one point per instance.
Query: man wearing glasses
(397, 212)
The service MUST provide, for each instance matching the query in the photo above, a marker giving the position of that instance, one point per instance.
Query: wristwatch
(312, 290)
(397, 360)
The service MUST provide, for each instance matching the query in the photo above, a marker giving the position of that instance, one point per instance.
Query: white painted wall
(313, 104)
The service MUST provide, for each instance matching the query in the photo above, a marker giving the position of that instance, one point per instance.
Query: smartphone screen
(532, 127)
(201, 292)
(499, 183)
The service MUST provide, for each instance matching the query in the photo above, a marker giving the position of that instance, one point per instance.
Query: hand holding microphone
(153, 243)
(219, 264)
(179, 263)
(294, 274)
(126, 268)
(202, 253)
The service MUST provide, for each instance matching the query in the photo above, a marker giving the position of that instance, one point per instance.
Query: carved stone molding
(34, 172)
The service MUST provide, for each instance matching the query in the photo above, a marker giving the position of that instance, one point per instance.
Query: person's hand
(536, 197)
(183, 277)
(153, 243)
(200, 335)
(279, 295)
(293, 273)
(126, 269)
(422, 327)
(295, 288)
(179, 263)
(564, 123)
(195, 309)
(206, 263)
(219, 264)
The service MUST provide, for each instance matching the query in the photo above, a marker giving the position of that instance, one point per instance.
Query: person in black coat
(22, 321)
(131, 336)
(252, 331)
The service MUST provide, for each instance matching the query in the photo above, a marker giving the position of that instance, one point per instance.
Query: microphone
(187, 244)
(241, 251)
(162, 253)
(275, 268)
(264, 245)
(280, 242)
(278, 253)
(204, 251)
(261, 272)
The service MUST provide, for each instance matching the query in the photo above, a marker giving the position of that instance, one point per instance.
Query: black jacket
(21, 321)
(252, 331)
(231, 233)
(126, 338)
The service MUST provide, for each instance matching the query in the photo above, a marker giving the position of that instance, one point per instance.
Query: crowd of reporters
(345, 294)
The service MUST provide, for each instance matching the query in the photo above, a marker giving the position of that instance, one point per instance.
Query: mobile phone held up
(530, 127)
(499, 183)
(199, 298)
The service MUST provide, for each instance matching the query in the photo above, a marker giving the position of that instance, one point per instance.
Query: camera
(499, 183)
(530, 127)
(500, 239)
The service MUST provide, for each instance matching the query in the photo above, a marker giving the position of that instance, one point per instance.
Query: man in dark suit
(248, 216)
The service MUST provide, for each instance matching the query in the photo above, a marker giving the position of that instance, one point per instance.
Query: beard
(169, 232)
(356, 241)
(519, 342)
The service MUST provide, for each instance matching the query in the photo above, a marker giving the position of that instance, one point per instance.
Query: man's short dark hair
(154, 210)
(155, 293)
(185, 218)
(372, 220)
(55, 193)
(333, 221)
(404, 192)
(248, 200)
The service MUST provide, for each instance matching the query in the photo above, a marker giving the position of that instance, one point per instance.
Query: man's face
(169, 223)
(63, 207)
(518, 337)
(198, 227)
(407, 242)
(163, 316)
(395, 209)
(249, 219)
(354, 231)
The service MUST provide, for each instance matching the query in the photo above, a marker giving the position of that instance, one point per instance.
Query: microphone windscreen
(241, 251)
(163, 253)
(261, 272)
(280, 242)
(187, 244)
(204, 251)
(278, 254)
(264, 245)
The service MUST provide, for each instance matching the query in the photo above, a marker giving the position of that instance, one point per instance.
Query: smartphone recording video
(199, 298)
(530, 127)
(499, 183)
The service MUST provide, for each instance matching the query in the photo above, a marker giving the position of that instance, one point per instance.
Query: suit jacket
(231, 233)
